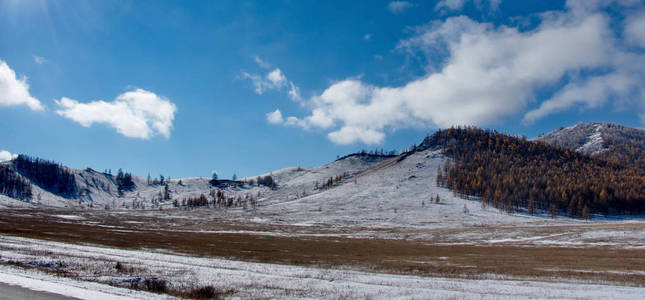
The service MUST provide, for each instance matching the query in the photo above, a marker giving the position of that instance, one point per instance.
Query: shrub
(204, 292)
(156, 285)
(208, 292)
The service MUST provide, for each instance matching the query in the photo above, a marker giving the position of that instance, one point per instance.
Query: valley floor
(114, 253)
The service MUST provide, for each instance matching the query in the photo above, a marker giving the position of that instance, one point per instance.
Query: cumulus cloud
(275, 117)
(487, 73)
(397, 7)
(274, 80)
(15, 91)
(349, 134)
(6, 155)
(135, 114)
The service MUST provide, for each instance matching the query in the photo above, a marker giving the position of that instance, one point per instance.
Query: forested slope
(515, 174)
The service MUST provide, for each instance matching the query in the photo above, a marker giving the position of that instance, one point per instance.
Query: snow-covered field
(261, 280)
(39, 281)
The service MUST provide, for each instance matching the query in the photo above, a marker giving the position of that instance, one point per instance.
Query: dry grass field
(447, 255)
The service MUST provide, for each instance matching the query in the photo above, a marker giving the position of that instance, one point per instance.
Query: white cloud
(275, 117)
(136, 114)
(294, 121)
(39, 59)
(294, 92)
(397, 7)
(275, 80)
(635, 29)
(455, 5)
(450, 4)
(349, 134)
(261, 62)
(592, 93)
(14, 90)
(488, 73)
(367, 37)
(623, 81)
(6, 155)
(257, 81)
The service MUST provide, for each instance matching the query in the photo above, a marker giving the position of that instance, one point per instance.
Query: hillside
(33, 182)
(515, 174)
(609, 141)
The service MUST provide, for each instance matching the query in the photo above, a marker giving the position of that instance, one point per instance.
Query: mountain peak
(617, 142)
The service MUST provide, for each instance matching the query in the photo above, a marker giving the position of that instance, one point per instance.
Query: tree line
(376, 153)
(218, 199)
(48, 175)
(13, 185)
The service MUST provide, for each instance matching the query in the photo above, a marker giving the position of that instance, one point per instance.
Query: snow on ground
(260, 280)
(389, 193)
(7, 202)
(594, 143)
(39, 281)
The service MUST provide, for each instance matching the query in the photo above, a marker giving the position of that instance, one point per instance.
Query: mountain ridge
(610, 141)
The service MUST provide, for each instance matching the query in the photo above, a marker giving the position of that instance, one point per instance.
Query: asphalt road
(12, 292)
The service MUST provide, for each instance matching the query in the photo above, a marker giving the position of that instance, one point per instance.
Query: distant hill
(613, 142)
(33, 182)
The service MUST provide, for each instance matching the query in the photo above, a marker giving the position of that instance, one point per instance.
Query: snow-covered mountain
(613, 142)
(593, 138)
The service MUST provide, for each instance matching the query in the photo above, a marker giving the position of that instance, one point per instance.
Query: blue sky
(182, 88)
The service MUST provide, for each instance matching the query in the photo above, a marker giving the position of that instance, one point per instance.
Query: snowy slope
(593, 138)
(390, 193)
(98, 190)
